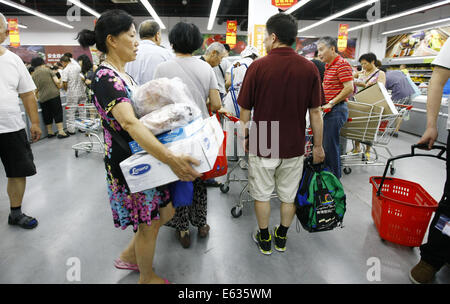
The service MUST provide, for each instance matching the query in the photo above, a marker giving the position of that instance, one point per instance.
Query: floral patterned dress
(127, 208)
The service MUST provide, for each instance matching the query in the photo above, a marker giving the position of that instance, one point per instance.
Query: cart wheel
(347, 170)
(392, 170)
(76, 153)
(236, 212)
(224, 188)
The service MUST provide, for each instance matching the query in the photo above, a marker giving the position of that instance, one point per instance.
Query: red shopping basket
(402, 209)
(402, 212)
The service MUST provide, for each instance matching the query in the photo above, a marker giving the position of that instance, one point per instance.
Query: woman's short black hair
(185, 38)
(284, 26)
(369, 57)
(86, 63)
(37, 61)
(111, 22)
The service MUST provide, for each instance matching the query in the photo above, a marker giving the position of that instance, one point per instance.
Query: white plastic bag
(170, 117)
(157, 93)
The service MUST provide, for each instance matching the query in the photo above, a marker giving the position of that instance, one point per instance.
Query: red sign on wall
(284, 4)
(13, 27)
(231, 33)
(342, 37)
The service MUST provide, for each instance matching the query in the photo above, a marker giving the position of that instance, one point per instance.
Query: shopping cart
(371, 127)
(402, 209)
(234, 177)
(87, 120)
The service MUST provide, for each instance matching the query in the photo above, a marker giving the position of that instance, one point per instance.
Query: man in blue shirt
(150, 53)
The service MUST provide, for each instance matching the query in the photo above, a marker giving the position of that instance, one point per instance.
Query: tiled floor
(68, 197)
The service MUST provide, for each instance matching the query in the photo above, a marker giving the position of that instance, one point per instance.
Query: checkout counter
(43, 127)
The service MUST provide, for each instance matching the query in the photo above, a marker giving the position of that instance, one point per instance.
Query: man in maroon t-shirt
(279, 88)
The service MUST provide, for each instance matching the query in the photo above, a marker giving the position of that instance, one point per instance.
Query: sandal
(119, 264)
(24, 221)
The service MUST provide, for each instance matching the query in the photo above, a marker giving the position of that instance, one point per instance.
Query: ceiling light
(153, 13)
(213, 14)
(296, 7)
(405, 13)
(339, 14)
(36, 13)
(417, 26)
(85, 7)
(23, 26)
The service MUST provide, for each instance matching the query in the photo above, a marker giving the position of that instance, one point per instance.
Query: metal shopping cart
(369, 126)
(236, 177)
(87, 120)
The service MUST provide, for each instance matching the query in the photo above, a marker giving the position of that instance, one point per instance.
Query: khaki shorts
(266, 175)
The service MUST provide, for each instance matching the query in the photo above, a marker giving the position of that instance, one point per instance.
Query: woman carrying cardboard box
(145, 211)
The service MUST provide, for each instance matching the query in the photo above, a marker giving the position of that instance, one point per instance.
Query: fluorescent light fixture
(417, 26)
(85, 7)
(23, 26)
(405, 13)
(297, 6)
(36, 13)
(153, 13)
(339, 14)
(213, 14)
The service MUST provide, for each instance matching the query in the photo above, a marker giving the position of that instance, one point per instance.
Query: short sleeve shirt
(148, 57)
(443, 60)
(14, 80)
(336, 73)
(220, 72)
(47, 89)
(198, 76)
(280, 88)
(72, 75)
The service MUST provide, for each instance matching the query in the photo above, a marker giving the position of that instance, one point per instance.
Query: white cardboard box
(200, 139)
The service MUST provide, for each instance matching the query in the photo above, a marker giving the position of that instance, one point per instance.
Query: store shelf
(420, 76)
(420, 71)
(408, 60)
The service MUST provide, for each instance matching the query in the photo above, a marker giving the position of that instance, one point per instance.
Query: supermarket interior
(128, 157)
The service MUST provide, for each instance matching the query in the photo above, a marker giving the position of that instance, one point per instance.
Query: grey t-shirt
(198, 76)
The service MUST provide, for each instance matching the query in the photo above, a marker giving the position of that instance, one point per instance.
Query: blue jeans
(332, 124)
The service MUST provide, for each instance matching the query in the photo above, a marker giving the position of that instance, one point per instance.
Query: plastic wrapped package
(157, 93)
(170, 117)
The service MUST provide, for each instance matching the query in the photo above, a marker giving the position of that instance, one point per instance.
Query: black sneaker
(280, 242)
(265, 246)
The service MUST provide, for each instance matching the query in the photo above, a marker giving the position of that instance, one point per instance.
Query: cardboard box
(364, 121)
(377, 95)
(200, 139)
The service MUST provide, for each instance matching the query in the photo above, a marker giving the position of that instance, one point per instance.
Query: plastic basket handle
(413, 154)
(425, 147)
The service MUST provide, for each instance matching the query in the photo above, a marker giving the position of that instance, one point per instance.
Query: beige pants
(266, 175)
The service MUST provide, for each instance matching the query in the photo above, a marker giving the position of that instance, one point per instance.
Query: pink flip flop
(119, 264)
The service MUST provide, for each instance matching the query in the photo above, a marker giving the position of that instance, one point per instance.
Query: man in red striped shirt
(337, 86)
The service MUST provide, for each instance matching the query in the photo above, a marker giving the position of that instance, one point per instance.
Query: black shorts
(16, 155)
(52, 110)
